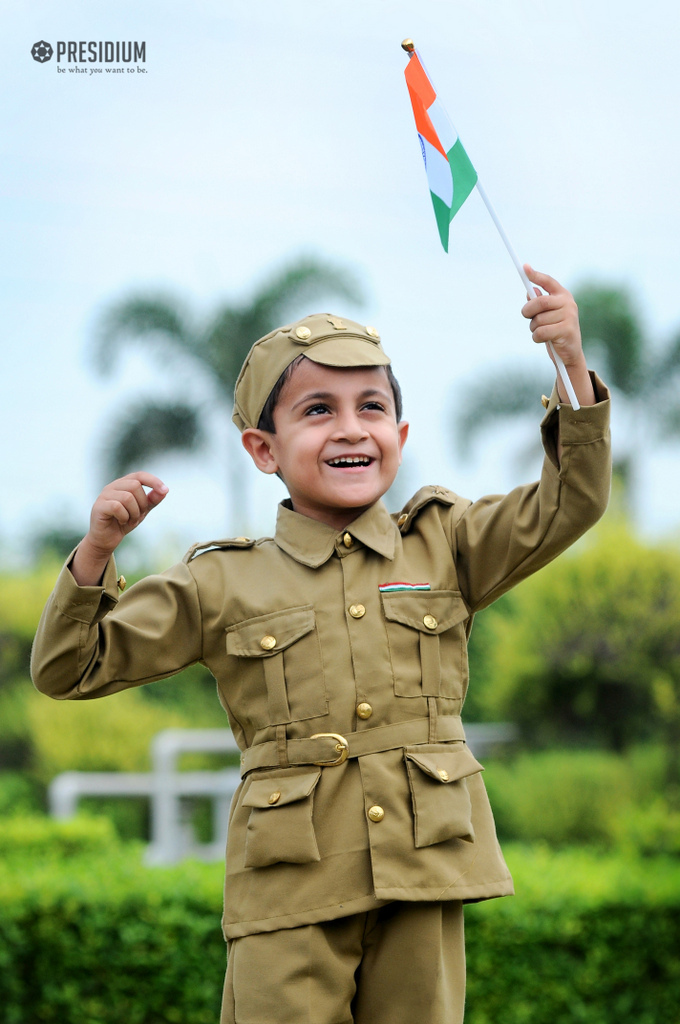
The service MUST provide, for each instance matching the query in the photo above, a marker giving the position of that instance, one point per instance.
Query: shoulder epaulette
(212, 545)
(425, 496)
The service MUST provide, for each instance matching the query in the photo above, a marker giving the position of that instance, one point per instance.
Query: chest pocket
(279, 662)
(428, 648)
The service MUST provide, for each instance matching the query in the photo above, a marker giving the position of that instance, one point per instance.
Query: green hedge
(100, 939)
(587, 940)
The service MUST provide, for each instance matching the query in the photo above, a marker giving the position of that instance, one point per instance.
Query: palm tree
(644, 378)
(212, 352)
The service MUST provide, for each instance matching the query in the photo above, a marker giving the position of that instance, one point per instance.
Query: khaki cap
(323, 338)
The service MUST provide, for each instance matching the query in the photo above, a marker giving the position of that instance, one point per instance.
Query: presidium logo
(42, 51)
(101, 52)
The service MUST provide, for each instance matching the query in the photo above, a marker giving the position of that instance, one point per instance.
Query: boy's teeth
(361, 460)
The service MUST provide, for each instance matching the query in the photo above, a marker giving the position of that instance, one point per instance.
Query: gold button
(242, 540)
(402, 519)
(267, 643)
(303, 333)
(444, 776)
(122, 583)
(430, 621)
(357, 611)
(372, 332)
(545, 401)
(275, 797)
(364, 710)
(376, 813)
(347, 540)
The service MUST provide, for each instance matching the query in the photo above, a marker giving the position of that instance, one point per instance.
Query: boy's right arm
(89, 643)
(119, 509)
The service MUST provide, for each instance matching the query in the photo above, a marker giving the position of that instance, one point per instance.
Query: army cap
(323, 338)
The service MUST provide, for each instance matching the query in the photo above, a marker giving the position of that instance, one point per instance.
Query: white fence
(168, 789)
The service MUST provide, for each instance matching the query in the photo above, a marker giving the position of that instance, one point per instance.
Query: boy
(339, 649)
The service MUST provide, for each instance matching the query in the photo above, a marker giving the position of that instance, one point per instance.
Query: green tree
(212, 351)
(644, 378)
(588, 649)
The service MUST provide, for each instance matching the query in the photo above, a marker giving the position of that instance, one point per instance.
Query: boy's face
(337, 443)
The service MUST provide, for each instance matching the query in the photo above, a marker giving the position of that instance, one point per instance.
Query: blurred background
(262, 163)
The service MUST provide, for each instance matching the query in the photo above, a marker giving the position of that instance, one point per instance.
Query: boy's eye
(316, 410)
(375, 405)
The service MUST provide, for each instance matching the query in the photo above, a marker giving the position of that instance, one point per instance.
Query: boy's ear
(402, 428)
(258, 446)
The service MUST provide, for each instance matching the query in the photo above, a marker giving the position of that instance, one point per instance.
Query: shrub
(43, 838)
(101, 939)
(590, 648)
(111, 734)
(586, 940)
(18, 795)
(559, 797)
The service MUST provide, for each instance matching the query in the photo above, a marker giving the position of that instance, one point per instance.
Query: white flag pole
(409, 46)
(561, 368)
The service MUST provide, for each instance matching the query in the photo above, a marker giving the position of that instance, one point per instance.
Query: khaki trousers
(401, 964)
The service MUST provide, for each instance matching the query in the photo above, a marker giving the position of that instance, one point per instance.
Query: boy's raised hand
(553, 318)
(120, 508)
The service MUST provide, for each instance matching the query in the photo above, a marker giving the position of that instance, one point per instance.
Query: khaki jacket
(360, 634)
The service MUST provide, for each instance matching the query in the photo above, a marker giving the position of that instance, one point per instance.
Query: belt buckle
(342, 747)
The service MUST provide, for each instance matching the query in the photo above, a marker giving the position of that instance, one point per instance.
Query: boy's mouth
(350, 461)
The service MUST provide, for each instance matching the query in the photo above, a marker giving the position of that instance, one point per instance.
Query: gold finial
(408, 45)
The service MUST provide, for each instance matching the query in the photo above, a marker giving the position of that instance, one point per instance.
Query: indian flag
(450, 174)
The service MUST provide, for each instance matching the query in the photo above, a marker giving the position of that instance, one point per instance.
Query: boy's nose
(350, 428)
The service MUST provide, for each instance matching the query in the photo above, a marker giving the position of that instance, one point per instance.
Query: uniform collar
(312, 543)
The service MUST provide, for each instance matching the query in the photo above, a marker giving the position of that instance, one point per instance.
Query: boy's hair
(266, 420)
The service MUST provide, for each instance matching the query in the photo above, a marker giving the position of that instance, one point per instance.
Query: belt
(328, 748)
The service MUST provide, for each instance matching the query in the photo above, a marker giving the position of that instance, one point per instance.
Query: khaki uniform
(360, 634)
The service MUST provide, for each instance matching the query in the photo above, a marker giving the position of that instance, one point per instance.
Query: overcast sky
(261, 132)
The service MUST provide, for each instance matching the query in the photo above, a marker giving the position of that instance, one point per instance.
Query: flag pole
(409, 46)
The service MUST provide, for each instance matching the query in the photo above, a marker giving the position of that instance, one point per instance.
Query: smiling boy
(339, 650)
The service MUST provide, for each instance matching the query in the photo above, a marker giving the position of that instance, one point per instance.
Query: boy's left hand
(554, 319)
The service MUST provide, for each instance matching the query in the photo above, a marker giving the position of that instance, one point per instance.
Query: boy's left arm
(502, 539)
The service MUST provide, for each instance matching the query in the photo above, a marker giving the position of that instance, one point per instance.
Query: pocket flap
(277, 792)
(269, 634)
(445, 764)
(432, 611)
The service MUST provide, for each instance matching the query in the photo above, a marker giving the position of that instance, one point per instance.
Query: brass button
(402, 519)
(267, 643)
(430, 621)
(376, 813)
(122, 583)
(545, 401)
(372, 332)
(347, 540)
(364, 710)
(242, 540)
(357, 611)
(275, 797)
(303, 333)
(444, 776)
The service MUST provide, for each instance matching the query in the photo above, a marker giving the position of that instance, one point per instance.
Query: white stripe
(438, 172)
(442, 125)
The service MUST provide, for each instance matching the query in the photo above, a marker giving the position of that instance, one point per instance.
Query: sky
(254, 134)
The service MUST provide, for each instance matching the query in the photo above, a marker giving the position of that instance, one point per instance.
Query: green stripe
(464, 176)
(464, 180)
(443, 218)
